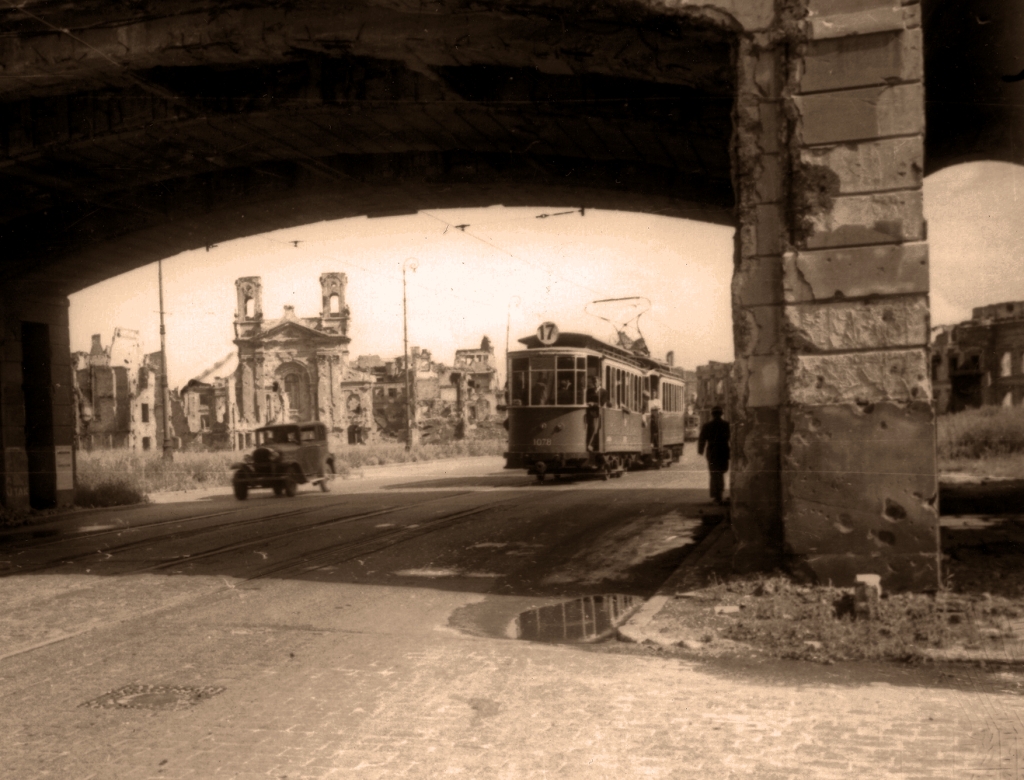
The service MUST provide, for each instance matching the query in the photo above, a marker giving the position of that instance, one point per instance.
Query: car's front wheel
(288, 486)
(240, 485)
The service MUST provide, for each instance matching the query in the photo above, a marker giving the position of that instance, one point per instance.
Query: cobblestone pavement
(311, 679)
(327, 680)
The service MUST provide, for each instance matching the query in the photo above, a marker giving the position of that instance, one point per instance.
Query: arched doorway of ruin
(293, 379)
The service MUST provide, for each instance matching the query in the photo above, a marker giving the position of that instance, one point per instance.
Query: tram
(578, 405)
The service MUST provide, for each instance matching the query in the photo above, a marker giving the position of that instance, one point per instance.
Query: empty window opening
(291, 387)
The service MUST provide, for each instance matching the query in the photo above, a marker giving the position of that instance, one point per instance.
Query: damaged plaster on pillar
(842, 325)
(896, 376)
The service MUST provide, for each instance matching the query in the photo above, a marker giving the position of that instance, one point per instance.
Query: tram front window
(542, 381)
(548, 380)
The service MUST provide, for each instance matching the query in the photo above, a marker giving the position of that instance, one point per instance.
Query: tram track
(263, 540)
(347, 551)
(294, 565)
(197, 532)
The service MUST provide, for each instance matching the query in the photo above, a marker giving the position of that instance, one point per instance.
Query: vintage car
(285, 457)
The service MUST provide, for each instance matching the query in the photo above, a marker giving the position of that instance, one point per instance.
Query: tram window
(541, 389)
(520, 394)
(567, 381)
(542, 380)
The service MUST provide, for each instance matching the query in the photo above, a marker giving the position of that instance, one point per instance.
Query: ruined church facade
(294, 369)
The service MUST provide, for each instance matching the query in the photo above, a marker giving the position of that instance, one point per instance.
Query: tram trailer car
(554, 430)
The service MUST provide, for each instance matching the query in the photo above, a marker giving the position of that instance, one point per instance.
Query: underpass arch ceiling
(129, 145)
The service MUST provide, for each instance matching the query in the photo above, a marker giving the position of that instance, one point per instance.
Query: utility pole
(508, 326)
(410, 405)
(165, 397)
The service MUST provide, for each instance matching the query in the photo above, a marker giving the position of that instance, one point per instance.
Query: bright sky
(511, 264)
(507, 265)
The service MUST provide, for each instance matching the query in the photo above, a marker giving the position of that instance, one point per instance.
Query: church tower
(334, 311)
(250, 299)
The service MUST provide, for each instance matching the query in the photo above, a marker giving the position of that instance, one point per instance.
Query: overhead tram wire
(464, 229)
(447, 293)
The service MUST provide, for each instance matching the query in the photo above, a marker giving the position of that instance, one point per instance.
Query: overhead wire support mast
(410, 404)
(165, 400)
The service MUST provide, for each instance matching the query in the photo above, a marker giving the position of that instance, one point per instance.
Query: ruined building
(450, 402)
(117, 395)
(295, 368)
(714, 388)
(475, 377)
(980, 362)
(208, 419)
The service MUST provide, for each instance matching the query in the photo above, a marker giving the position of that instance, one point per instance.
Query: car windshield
(277, 436)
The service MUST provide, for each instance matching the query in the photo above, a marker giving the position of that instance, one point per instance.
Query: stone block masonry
(833, 429)
(857, 451)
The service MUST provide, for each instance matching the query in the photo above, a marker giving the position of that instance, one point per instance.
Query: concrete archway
(127, 137)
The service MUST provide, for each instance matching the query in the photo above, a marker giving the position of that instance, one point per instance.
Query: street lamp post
(168, 453)
(410, 406)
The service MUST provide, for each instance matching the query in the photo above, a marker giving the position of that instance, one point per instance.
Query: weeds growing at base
(782, 619)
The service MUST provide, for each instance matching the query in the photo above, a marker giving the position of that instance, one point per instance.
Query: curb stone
(690, 574)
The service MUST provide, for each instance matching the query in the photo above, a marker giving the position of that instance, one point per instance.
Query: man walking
(714, 435)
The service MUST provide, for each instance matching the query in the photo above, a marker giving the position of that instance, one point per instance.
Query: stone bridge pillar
(833, 441)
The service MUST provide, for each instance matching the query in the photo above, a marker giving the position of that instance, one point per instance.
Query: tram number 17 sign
(547, 333)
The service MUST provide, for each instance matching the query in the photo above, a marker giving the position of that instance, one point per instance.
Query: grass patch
(780, 618)
(110, 492)
(103, 475)
(988, 432)
(384, 454)
(150, 473)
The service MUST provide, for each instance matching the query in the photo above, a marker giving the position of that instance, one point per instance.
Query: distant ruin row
(285, 370)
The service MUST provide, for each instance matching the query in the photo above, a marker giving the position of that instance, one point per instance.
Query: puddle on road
(586, 619)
